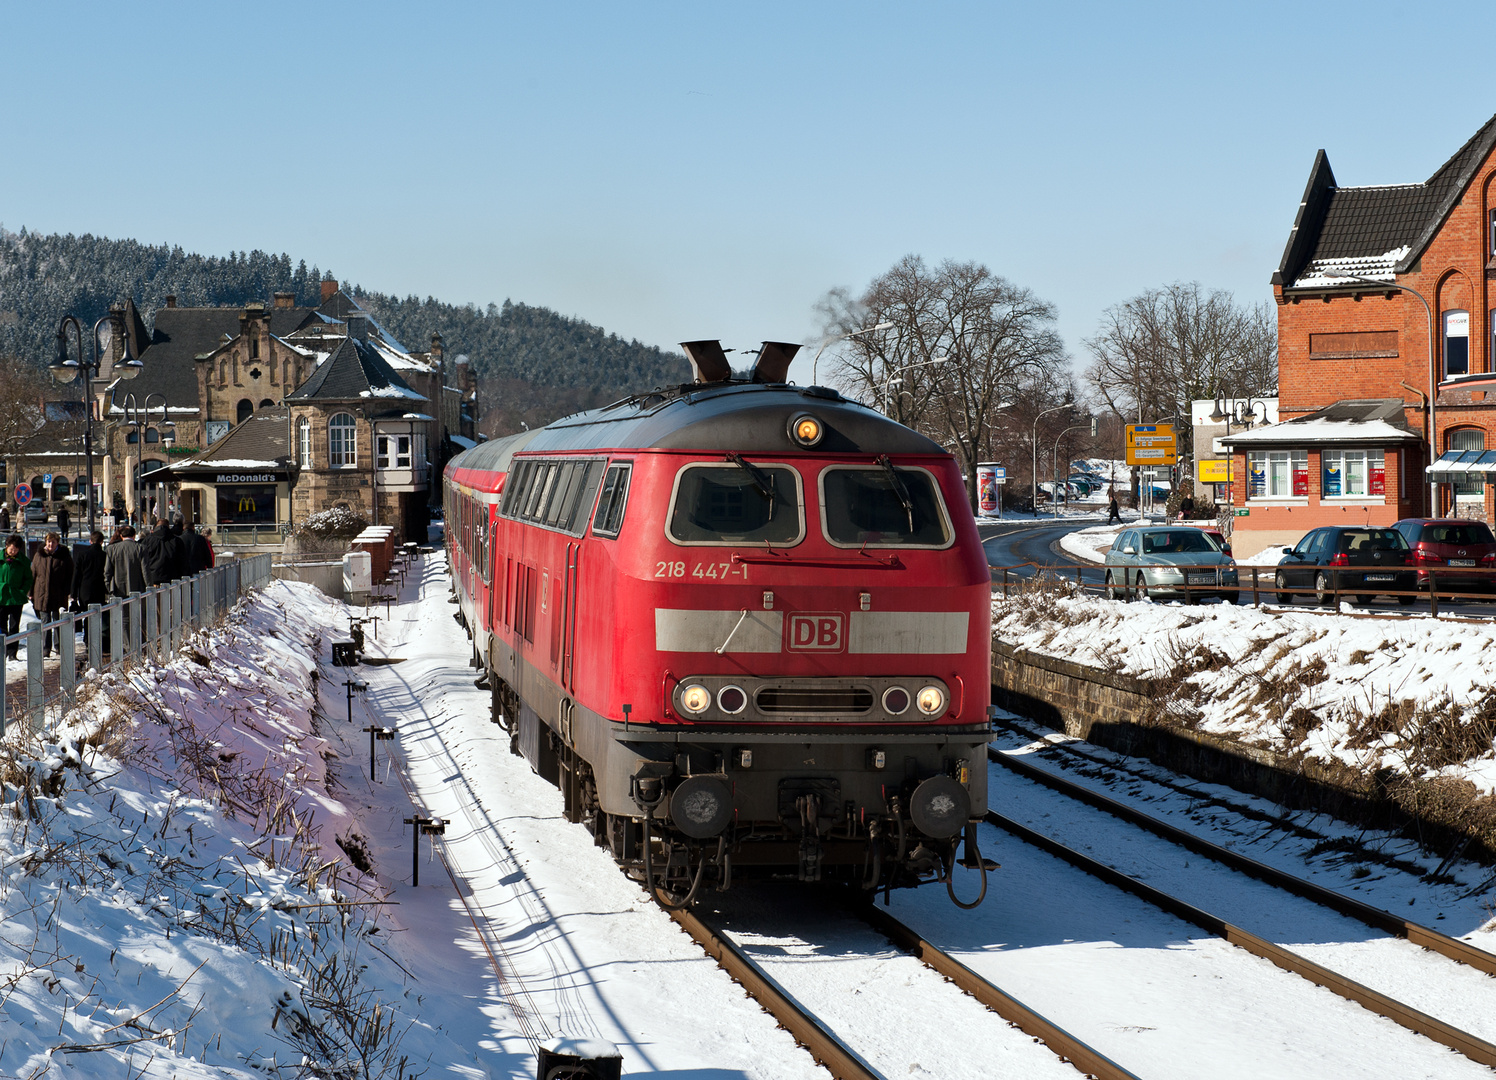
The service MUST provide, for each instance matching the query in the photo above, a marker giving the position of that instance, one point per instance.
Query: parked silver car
(1169, 560)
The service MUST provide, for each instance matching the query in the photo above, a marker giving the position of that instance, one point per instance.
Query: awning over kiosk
(1462, 465)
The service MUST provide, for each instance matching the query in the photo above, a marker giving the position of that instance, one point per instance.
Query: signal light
(806, 430)
(732, 700)
(895, 700)
(695, 698)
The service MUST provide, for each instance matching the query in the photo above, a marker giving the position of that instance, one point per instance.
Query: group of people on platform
(54, 581)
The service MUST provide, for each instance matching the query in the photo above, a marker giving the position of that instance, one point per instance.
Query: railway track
(844, 1062)
(1471, 1046)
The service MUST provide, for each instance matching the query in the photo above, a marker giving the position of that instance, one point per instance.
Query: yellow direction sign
(1151, 444)
(1214, 471)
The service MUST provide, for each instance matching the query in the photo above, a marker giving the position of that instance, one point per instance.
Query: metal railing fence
(152, 624)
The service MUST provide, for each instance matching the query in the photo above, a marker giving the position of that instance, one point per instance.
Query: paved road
(1025, 547)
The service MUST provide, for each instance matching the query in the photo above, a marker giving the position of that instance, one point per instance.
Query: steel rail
(1474, 1048)
(830, 1052)
(1065, 1046)
(1375, 917)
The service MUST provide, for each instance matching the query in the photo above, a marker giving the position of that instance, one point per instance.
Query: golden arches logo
(246, 505)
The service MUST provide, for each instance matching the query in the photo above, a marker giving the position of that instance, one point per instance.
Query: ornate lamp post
(139, 417)
(66, 369)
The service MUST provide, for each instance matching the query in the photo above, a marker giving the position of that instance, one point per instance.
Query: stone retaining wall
(1117, 712)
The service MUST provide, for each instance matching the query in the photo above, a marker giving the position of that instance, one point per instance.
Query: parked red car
(1461, 554)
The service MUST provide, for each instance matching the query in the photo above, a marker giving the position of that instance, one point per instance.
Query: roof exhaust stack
(708, 361)
(773, 364)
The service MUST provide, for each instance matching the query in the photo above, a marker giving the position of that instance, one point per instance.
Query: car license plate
(1379, 577)
(1461, 562)
(1202, 577)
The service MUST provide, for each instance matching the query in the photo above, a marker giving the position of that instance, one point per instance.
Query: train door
(568, 614)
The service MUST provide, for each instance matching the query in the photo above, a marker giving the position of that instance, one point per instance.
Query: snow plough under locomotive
(744, 626)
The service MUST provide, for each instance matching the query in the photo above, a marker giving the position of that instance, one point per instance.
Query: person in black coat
(160, 552)
(88, 581)
(199, 556)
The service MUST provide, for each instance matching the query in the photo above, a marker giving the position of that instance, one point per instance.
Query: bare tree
(1164, 348)
(963, 341)
(22, 388)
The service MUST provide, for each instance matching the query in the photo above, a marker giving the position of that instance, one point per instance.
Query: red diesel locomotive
(744, 626)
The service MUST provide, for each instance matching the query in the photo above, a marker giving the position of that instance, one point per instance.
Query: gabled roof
(1374, 232)
(1353, 422)
(262, 439)
(340, 305)
(354, 372)
(180, 336)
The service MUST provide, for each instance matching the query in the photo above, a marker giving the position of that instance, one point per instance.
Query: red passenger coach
(744, 626)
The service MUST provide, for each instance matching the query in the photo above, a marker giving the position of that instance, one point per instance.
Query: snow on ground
(1359, 691)
(176, 903)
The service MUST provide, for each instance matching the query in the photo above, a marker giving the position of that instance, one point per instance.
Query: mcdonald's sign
(246, 505)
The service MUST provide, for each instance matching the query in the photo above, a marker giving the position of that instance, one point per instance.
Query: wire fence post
(67, 653)
(152, 621)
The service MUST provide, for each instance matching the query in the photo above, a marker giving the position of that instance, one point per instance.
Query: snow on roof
(416, 416)
(228, 463)
(391, 392)
(1320, 430)
(396, 357)
(116, 410)
(1326, 273)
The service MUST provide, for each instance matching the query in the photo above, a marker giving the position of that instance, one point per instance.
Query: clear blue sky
(678, 171)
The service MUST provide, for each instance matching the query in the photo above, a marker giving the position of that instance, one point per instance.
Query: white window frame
(342, 448)
(1288, 459)
(403, 451)
(1458, 320)
(1356, 465)
(304, 442)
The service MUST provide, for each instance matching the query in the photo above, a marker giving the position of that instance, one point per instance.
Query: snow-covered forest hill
(568, 362)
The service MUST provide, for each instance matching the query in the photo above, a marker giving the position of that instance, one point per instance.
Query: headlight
(695, 698)
(895, 700)
(731, 700)
(805, 429)
(931, 700)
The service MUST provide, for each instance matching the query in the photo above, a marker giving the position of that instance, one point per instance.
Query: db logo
(817, 631)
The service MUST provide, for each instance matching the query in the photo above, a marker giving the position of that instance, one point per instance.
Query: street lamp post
(815, 365)
(893, 377)
(1433, 383)
(65, 370)
(1054, 462)
(139, 416)
(1034, 445)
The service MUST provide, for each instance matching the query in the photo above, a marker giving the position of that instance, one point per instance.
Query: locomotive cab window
(610, 505)
(883, 506)
(741, 502)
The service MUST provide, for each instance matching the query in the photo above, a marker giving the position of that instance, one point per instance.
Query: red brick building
(1355, 370)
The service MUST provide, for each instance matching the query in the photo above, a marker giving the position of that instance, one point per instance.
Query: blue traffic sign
(47, 479)
(23, 494)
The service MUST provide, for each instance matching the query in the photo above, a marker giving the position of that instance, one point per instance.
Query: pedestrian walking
(196, 549)
(5, 517)
(1113, 511)
(51, 584)
(161, 551)
(15, 587)
(124, 565)
(88, 582)
(64, 520)
(212, 553)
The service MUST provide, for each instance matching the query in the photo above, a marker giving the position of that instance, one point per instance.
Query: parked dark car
(1366, 561)
(1163, 560)
(1460, 554)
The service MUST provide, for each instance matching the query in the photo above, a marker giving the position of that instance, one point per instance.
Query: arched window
(1470, 487)
(62, 487)
(267, 404)
(304, 442)
(246, 410)
(132, 437)
(152, 435)
(1456, 343)
(37, 487)
(150, 465)
(342, 449)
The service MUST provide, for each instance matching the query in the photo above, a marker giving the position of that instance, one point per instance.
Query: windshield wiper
(761, 479)
(898, 489)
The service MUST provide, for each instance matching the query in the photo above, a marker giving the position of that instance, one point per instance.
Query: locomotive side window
(540, 489)
(883, 507)
(566, 488)
(610, 504)
(517, 487)
(736, 503)
(581, 509)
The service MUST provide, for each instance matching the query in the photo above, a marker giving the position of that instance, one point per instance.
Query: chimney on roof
(329, 287)
(358, 325)
(171, 300)
(285, 299)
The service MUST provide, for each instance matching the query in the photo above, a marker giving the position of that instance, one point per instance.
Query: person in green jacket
(15, 587)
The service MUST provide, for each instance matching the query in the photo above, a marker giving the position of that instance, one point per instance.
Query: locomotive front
(801, 642)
